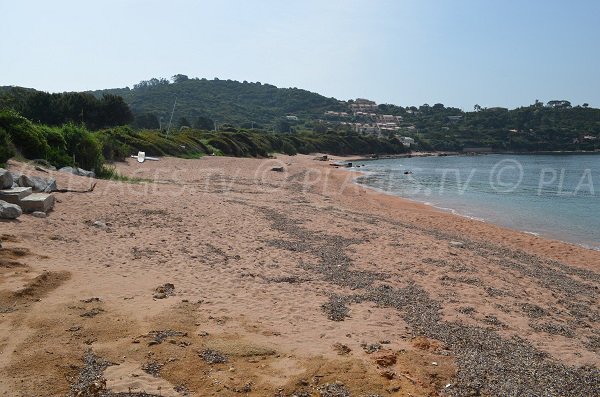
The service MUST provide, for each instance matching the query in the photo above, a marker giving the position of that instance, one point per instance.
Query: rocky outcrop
(9, 211)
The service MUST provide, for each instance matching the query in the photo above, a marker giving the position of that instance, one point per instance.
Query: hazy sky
(457, 52)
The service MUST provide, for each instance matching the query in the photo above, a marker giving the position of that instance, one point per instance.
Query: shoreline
(443, 154)
(453, 211)
(431, 210)
(291, 282)
(547, 234)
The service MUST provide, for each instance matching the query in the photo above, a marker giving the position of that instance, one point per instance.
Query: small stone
(39, 214)
(99, 225)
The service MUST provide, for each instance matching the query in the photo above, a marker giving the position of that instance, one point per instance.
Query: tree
(283, 126)
(146, 120)
(179, 78)
(183, 122)
(204, 123)
(114, 111)
(585, 105)
(477, 108)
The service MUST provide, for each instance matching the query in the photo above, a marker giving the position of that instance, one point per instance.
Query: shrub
(6, 149)
(84, 147)
(56, 153)
(27, 137)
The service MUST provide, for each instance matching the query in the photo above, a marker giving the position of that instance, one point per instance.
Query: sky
(456, 52)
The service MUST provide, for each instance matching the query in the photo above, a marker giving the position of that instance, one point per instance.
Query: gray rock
(68, 170)
(9, 211)
(52, 187)
(37, 184)
(457, 244)
(89, 174)
(78, 171)
(99, 225)
(6, 179)
(39, 214)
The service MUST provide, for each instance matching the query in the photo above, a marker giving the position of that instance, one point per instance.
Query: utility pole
(171, 119)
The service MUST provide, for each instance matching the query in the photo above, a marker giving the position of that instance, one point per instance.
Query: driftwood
(37, 167)
(91, 189)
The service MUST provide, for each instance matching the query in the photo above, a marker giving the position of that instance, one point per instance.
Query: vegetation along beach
(299, 199)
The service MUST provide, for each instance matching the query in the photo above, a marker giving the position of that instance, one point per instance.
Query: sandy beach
(221, 277)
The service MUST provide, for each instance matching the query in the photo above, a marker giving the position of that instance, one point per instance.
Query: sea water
(553, 195)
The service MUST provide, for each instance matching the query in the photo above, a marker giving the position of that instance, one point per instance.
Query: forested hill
(231, 105)
(224, 101)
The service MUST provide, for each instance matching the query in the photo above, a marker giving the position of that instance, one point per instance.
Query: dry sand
(286, 283)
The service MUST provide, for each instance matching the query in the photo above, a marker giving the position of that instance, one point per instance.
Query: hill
(200, 101)
(203, 104)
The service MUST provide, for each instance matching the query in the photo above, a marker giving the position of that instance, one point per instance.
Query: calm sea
(553, 195)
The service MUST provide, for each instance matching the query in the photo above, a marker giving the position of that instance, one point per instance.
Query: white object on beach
(141, 157)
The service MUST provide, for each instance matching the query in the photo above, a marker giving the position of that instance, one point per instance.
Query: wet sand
(285, 283)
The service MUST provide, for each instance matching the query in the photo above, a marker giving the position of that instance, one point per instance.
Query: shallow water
(554, 195)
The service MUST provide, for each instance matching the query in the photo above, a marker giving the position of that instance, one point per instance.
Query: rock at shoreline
(6, 179)
(37, 184)
(9, 211)
(78, 172)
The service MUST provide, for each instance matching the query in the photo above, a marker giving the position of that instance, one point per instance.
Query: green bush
(84, 147)
(6, 149)
(57, 153)
(26, 136)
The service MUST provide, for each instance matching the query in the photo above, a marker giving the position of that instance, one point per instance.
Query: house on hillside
(406, 141)
(363, 105)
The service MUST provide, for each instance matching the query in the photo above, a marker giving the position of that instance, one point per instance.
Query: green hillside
(224, 101)
(232, 105)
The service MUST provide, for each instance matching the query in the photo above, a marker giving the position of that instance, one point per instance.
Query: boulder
(37, 184)
(9, 211)
(6, 179)
(89, 174)
(68, 170)
(78, 172)
(43, 202)
(52, 187)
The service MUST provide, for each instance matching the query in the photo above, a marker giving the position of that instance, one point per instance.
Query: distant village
(367, 120)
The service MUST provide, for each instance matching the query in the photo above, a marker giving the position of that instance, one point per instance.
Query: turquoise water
(553, 195)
